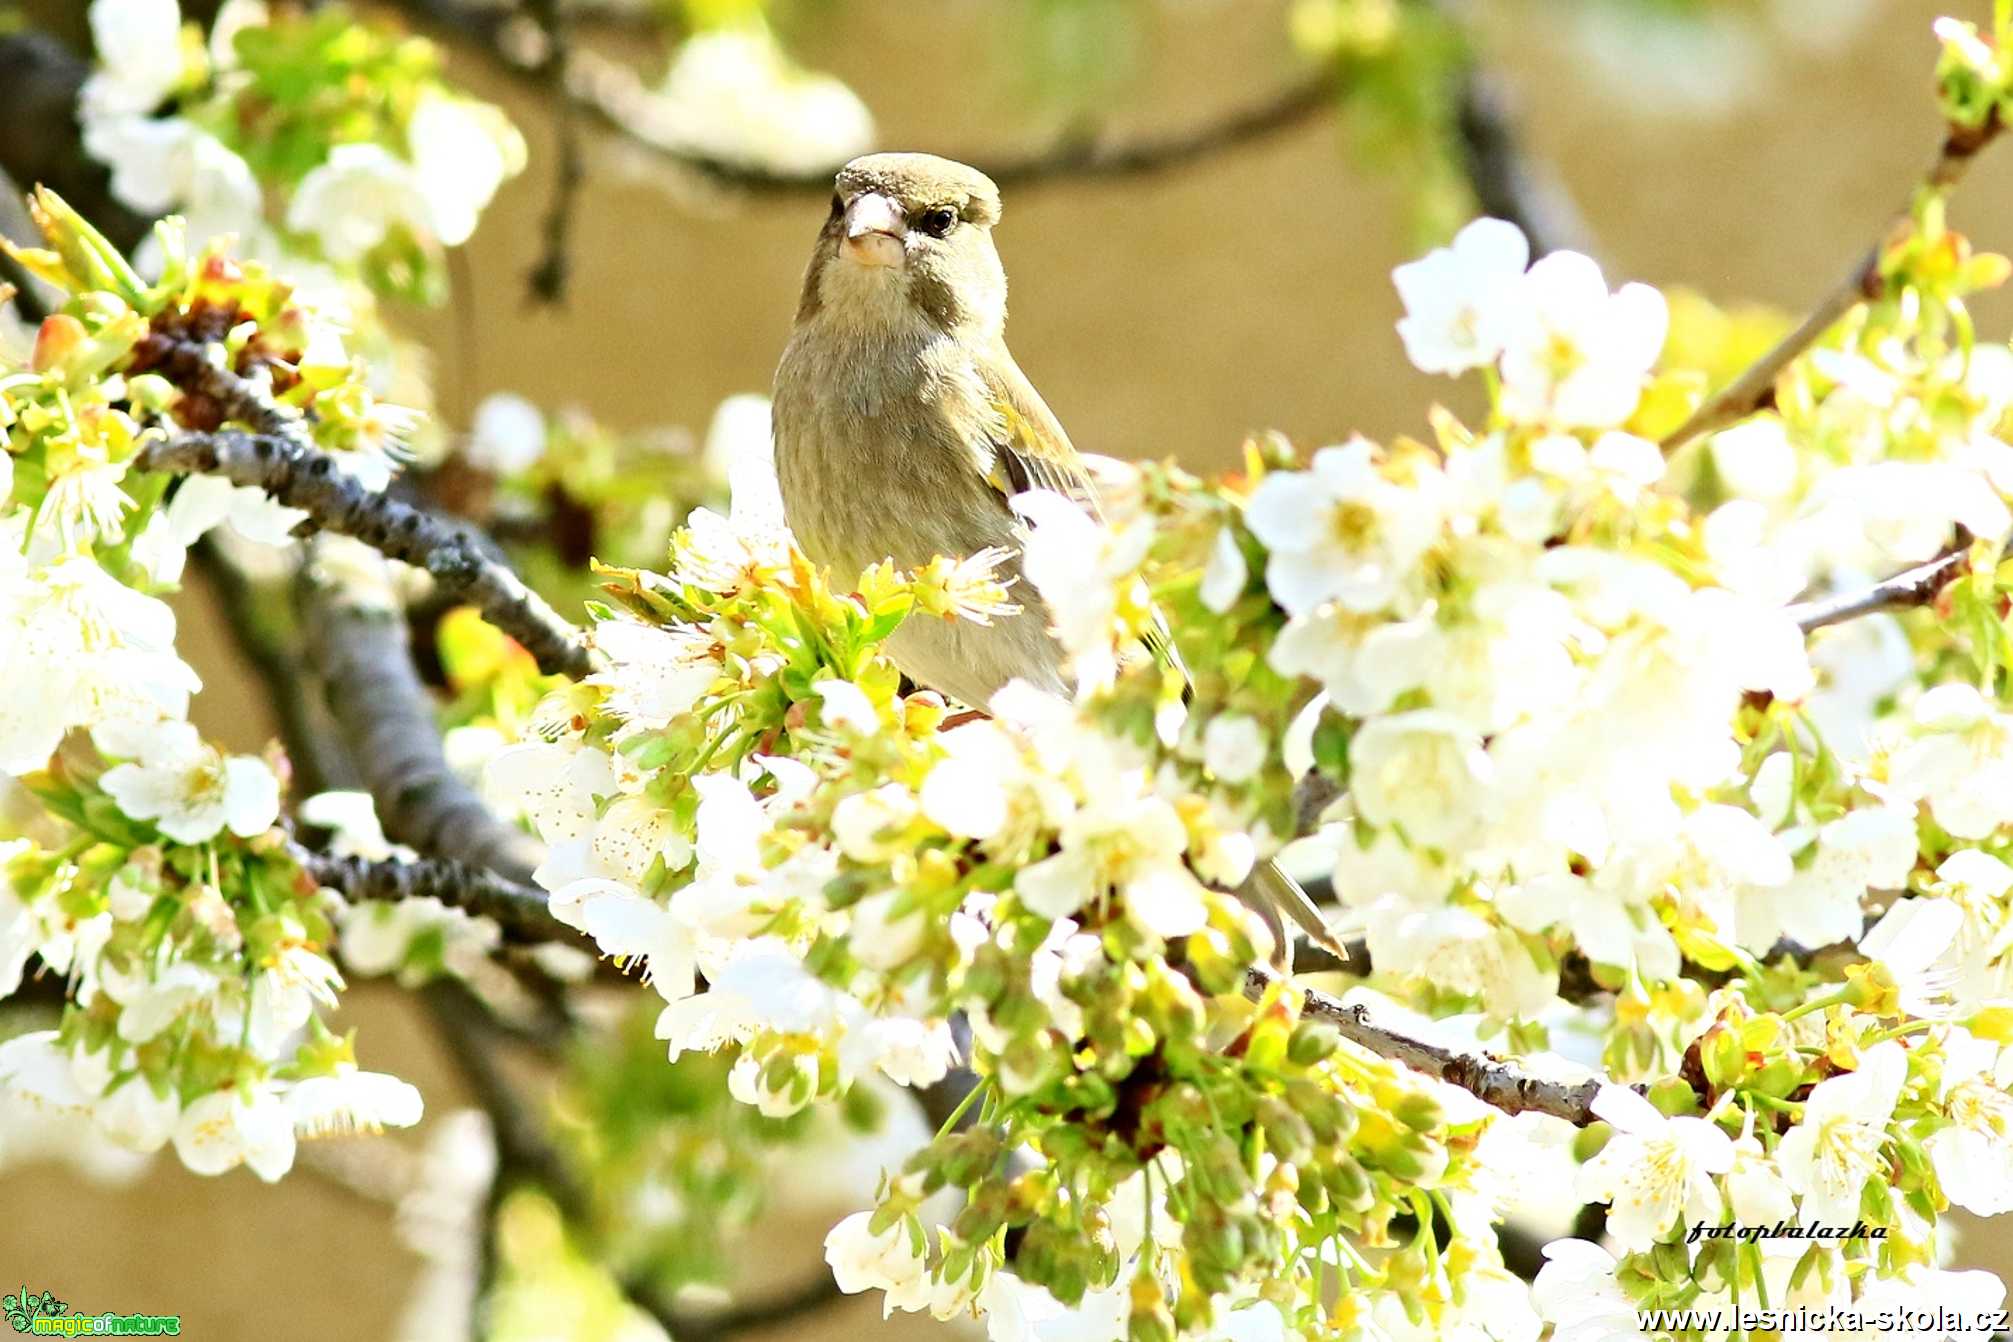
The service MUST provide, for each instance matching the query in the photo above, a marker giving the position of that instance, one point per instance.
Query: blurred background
(1749, 150)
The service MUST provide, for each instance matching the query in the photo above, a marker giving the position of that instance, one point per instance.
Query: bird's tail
(1275, 897)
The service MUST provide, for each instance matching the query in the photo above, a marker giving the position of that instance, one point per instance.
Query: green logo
(23, 1309)
(46, 1316)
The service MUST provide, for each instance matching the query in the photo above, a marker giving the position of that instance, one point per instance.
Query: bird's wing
(1032, 452)
(1029, 449)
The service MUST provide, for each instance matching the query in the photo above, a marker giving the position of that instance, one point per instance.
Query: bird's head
(910, 235)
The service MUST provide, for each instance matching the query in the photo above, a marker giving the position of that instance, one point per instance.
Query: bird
(903, 429)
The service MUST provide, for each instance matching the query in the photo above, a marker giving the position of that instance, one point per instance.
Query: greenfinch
(904, 428)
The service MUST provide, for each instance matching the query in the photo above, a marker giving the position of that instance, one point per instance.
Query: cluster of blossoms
(197, 955)
(743, 793)
(311, 137)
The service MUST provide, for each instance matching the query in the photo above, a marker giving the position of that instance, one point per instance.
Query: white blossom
(246, 1125)
(1222, 580)
(141, 59)
(1339, 531)
(190, 790)
(1653, 1168)
(1872, 848)
(507, 436)
(1233, 747)
(351, 1100)
(1132, 845)
(286, 991)
(1424, 772)
(462, 151)
(1575, 355)
(136, 1116)
(1911, 941)
(1458, 298)
(1754, 459)
(1828, 1157)
(1576, 1292)
(733, 93)
(1960, 761)
(1083, 570)
(1973, 1157)
(36, 1070)
(78, 648)
(204, 501)
(354, 199)
(169, 164)
(864, 1261)
(156, 1004)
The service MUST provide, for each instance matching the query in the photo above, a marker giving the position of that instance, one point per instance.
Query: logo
(46, 1316)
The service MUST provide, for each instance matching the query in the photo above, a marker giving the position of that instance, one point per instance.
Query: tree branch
(1755, 389)
(359, 644)
(783, 1307)
(1917, 586)
(302, 476)
(39, 138)
(1490, 1080)
(1507, 184)
(520, 910)
(548, 277)
(609, 93)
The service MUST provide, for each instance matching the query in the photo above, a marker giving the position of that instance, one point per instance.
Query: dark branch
(302, 476)
(1506, 182)
(520, 910)
(548, 278)
(783, 1307)
(40, 142)
(523, 1155)
(607, 92)
(359, 644)
(1755, 389)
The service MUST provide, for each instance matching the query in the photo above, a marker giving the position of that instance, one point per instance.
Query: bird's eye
(938, 221)
(838, 205)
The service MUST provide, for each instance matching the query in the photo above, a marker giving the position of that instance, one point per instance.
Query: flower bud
(1151, 1320)
(58, 337)
(1348, 1184)
(1313, 1042)
(1287, 1134)
(1419, 1112)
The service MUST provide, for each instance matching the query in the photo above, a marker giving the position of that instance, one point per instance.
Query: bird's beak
(874, 230)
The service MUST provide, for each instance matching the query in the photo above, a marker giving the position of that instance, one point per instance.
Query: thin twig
(303, 476)
(609, 92)
(1755, 389)
(773, 1311)
(1917, 586)
(1490, 1080)
(548, 277)
(523, 1154)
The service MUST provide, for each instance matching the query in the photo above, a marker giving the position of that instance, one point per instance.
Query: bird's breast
(878, 451)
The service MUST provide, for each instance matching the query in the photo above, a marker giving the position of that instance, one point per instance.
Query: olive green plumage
(903, 426)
